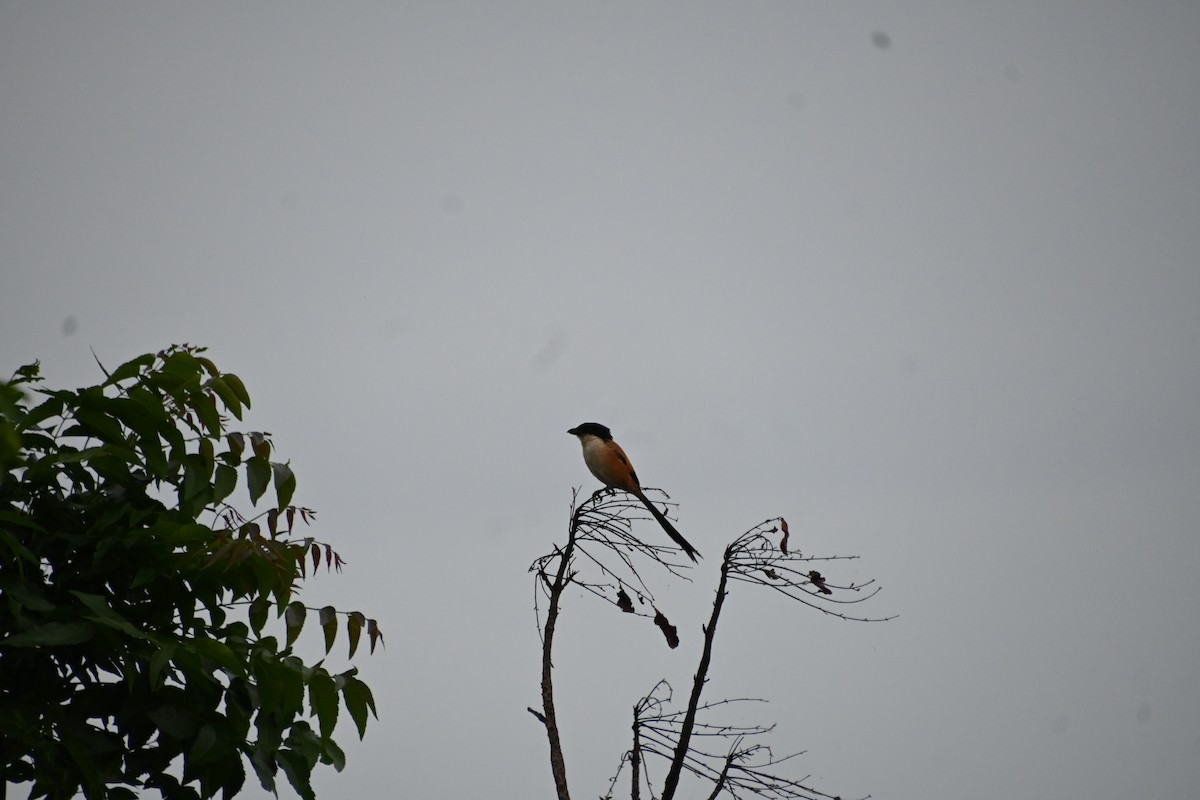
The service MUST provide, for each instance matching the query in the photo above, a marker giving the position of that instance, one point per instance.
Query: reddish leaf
(291, 517)
(783, 547)
(273, 521)
(316, 556)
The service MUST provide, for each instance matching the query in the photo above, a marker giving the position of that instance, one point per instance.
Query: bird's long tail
(675, 535)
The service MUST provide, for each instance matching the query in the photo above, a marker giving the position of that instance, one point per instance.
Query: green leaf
(196, 474)
(104, 614)
(237, 445)
(293, 618)
(20, 520)
(285, 483)
(113, 465)
(228, 396)
(294, 675)
(224, 482)
(206, 410)
(23, 595)
(183, 367)
(282, 590)
(69, 455)
(329, 625)
(258, 475)
(190, 533)
(206, 737)
(261, 445)
(209, 366)
(10, 402)
(269, 677)
(374, 633)
(159, 661)
(298, 773)
(322, 697)
(217, 651)
(129, 369)
(173, 720)
(358, 699)
(38, 441)
(304, 740)
(226, 772)
(235, 383)
(333, 755)
(206, 452)
(18, 551)
(155, 408)
(101, 425)
(258, 613)
(10, 446)
(354, 626)
(51, 634)
(137, 416)
(51, 407)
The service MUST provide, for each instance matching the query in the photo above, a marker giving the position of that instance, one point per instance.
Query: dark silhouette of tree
(604, 558)
(135, 598)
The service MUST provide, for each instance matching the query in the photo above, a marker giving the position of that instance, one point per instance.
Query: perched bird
(611, 466)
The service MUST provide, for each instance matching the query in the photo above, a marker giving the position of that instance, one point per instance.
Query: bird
(608, 462)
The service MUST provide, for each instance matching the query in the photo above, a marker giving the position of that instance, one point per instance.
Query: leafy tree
(135, 599)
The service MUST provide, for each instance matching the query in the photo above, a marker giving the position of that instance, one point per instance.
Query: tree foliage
(136, 600)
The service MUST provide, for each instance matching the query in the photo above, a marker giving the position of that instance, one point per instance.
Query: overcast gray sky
(923, 278)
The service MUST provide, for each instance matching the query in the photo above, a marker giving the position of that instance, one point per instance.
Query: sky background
(923, 278)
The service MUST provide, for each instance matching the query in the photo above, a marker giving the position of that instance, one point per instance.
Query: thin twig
(550, 719)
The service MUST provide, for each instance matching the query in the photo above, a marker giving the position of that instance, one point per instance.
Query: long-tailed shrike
(611, 466)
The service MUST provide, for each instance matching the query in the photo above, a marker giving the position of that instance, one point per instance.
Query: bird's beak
(573, 431)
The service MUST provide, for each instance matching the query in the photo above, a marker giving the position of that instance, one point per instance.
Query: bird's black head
(593, 428)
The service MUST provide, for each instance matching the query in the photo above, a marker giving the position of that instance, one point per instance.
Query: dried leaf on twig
(669, 631)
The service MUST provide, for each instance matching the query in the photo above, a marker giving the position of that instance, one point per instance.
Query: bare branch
(549, 718)
(754, 558)
(600, 528)
(603, 558)
(688, 725)
(742, 770)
